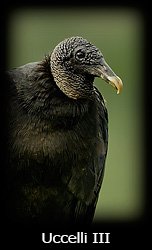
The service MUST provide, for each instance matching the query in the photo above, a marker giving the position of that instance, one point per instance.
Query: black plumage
(57, 135)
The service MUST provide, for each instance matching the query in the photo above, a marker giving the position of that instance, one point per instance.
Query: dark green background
(118, 33)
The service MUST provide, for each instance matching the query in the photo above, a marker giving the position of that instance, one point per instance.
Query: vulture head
(74, 64)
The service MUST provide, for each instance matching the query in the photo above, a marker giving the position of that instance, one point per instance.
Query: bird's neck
(55, 100)
(73, 84)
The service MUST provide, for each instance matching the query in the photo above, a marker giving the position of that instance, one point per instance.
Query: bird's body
(57, 141)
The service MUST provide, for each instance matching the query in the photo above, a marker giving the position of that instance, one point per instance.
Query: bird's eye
(80, 55)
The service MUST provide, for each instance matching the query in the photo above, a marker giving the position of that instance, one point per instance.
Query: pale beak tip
(116, 82)
(120, 85)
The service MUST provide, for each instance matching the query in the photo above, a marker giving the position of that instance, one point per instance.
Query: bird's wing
(29, 85)
(84, 212)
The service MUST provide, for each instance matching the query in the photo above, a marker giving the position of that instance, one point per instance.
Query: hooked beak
(115, 82)
(105, 72)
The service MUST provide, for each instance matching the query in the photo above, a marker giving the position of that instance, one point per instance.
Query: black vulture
(57, 135)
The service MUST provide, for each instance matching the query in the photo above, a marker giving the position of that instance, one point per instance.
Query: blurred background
(118, 33)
